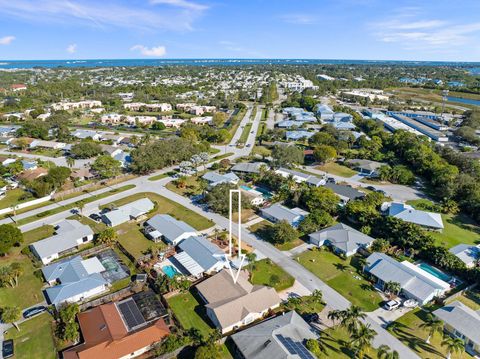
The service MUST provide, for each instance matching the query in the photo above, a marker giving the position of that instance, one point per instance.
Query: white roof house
(171, 230)
(69, 234)
(467, 253)
(415, 282)
(215, 178)
(83, 134)
(300, 177)
(47, 144)
(127, 212)
(278, 212)
(407, 213)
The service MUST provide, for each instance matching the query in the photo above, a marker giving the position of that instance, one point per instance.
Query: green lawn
(343, 276)
(245, 132)
(259, 230)
(12, 198)
(189, 312)
(134, 241)
(470, 298)
(458, 229)
(410, 333)
(35, 338)
(158, 177)
(337, 169)
(263, 272)
(335, 341)
(191, 186)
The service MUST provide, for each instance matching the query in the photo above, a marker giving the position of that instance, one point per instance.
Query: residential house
(124, 158)
(342, 239)
(111, 150)
(18, 87)
(365, 167)
(300, 177)
(324, 111)
(125, 329)
(84, 134)
(231, 305)
(67, 106)
(277, 212)
(205, 120)
(284, 336)
(345, 192)
(82, 174)
(165, 227)
(69, 234)
(298, 135)
(115, 139)
(47, 144)
(290, 124)
(74, 280)
(29, 165)
(407, 213)
(8, 131)
(31, 175)
(172, 122)
(215, 178)
(197, 255)
(127, 212)
(415, 283)
(256, 198)
(461, 321)
(246, 168)
(467, 253)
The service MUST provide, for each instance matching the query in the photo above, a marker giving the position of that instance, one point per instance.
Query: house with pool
(417, 281)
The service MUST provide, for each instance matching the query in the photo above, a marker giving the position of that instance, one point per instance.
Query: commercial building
(420, 126)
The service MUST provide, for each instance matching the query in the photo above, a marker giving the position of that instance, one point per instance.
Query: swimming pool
(170, 271)
(435, 272)
(266, 194)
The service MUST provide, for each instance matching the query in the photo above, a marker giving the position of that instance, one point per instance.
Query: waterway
(467, 101)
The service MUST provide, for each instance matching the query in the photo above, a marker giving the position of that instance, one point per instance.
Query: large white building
(66, 106)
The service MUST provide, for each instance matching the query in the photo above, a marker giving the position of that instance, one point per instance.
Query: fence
(26, 204)
(459, 293)
(85, 187)
(112, 297)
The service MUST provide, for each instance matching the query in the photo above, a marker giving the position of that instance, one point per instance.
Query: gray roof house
(215, 178)
(365, 166)
(171, 230)
(300, 177)
(346, 193)
(84, 134)
(76, 280)
(342, 238)
(467, 253)
(127, 212)
(246, 167)
(69, 234)
(278, 212)
(415, 283)
(407, 213)
(197, 255)
(232, 305)
(462, 322)
(282, 337)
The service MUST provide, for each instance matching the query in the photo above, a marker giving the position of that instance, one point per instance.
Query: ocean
(29, 64)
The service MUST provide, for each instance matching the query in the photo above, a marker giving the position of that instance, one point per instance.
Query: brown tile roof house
(82, 173)
(231, 305)
(31, 175)
(106, 334)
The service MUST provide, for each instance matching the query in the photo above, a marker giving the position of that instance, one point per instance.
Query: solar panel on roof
(131, 314)
(294, 347)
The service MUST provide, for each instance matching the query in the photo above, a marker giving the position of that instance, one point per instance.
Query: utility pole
(444, 99)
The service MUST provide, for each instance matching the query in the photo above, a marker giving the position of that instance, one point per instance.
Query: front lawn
(189, 312)
(343, 276)
(35, 338)
(335, 341)
(265, 272)
(12, 197)
(408, 330)
(337, 169)
(458, 229)
(191, 187)
(260, 229)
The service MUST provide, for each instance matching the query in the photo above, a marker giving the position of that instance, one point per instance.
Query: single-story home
(215, 178)
(298, 135)
(11, 130)
(47, 144)
(84, 134)
(467, 253)
(165, 227)
(300, 177)
(345, 192)
(82, 174)
(232, 305)
(69, 234)
(197, 255)
(29, 165)
(407, 213)
(366, 167)
(74, 280)
(416, 283)
(281, 337)
(248, 168)
(31, 175)
(342, 238)
(128, 212)
(277, 212)
(461, 321)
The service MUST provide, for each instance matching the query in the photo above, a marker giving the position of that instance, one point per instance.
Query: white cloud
(6, 40)
(72, 48)
(299, 19)
(158, 51)
(104, 14)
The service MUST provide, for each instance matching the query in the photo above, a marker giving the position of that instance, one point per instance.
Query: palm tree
(351, 318)
(433, 325)
(453, 345)
(362, 339)
(392, 287)
(317, 295)
(70, 161)
(385, 353)
(251, 258)
(335, 315)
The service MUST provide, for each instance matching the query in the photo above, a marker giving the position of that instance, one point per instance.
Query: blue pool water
(246, 188)
(266, 194)
(435, 272)
(170, 271)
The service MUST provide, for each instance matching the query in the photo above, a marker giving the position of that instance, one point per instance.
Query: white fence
(26, 204)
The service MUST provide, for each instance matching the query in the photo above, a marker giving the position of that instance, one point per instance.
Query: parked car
(371, 188)
(392, 304)
(330, 180)
(33, 311)
(249, 145)
(311, 318)
(382, 192)
(95, 217)
(7, 348)
(105, 210)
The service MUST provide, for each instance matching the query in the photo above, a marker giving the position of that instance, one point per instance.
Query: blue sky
(336, 29)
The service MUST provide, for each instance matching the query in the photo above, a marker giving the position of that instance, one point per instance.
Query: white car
(392, 304)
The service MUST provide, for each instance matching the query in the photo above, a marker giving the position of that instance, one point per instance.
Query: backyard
(265, 272)
(12, 198)
(134, 241)
(337, 169)
(343, 276)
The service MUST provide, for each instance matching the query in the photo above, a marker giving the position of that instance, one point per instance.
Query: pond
(467, 101)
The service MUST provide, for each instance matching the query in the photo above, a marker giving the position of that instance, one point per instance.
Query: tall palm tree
(362, 339)
(351, 318)
(251, 258)
(385, 353)
(433, 325)
(453, 345)
(70, 161)
(335, 315)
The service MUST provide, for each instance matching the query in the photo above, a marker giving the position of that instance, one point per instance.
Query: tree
(348, 318)
(315, 221)
(392, 287)
(11, 315)
(453, 345)
(287, 156)
(107, 236)
(324, 153)
(361, 339)
(315, 347)
(380, 245)
(215, 199)
(86, 149)
(251, 257)
(70, 161)
(57, 176)
(207, 351)
(384, 352)
(158, 126)
(320, 198)
(282, 232)
(106, 166)
(9, 235)
(433, 325)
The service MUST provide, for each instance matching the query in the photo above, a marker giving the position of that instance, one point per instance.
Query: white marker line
(230, 239)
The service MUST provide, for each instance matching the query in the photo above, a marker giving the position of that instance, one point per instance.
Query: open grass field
(265, 272)
(412, 335)
(337, 170)
(189, 312)
(343, 276)
(35, 338)
(191, 188)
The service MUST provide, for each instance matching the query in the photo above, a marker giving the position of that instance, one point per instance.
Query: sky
(309, 29)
